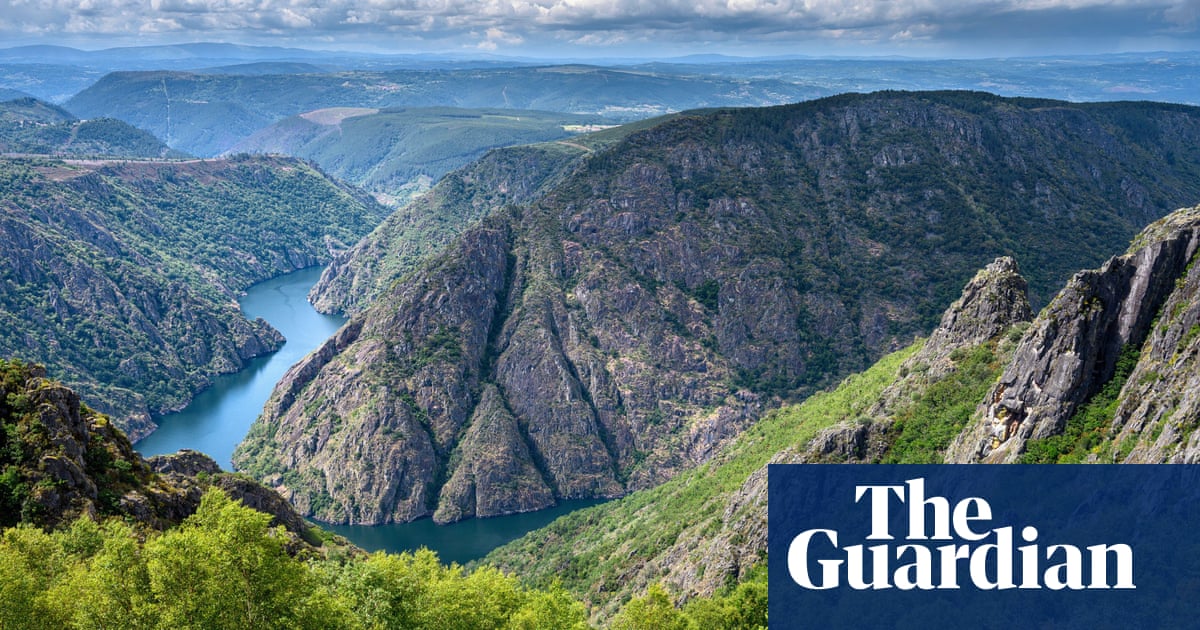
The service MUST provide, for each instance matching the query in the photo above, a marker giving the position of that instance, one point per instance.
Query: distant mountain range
(398, 152)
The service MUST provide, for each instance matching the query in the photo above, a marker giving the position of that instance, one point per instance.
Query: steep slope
(206, 114)
(1107, 371)
(940, 400)
(649, 307)
(30, 126)
(397, 153)
(707, 527)
(122, 277)
(60, 460)
(509, 176)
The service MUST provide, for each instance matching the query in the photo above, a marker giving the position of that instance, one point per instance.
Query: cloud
(507, 24)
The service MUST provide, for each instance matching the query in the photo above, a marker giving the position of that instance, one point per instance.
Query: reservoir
(218, 418)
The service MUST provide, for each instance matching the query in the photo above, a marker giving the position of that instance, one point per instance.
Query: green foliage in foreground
(224, 567)
(740, 607)
(924, 430)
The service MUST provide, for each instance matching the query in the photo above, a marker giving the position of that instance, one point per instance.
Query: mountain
(207, 114)
(707, 527)
(658, 299)
(502, 177)
(1106, 371)
(1103, 374)
(396, 153)
(30, 126)
(7, 94)
(122, 276)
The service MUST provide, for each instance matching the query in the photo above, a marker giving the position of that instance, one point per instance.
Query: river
(218, 418)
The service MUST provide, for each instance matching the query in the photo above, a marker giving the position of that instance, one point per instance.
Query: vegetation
(921, 432)
(29, 126)
(399, 152)
(606, 553)
(113, 269)
(225, 567)
(1087, 430)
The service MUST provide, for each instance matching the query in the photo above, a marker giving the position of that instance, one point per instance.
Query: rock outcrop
(640, 313)
(1073, 347)
(62, 460)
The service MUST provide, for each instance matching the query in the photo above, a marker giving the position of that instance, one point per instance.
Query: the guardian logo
(915, 547)
(944, 544)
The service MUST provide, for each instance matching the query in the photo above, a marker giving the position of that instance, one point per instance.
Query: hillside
(707, 527)
(396, 153)
(93, 535)
(207, 114)
(30, 126)
(122, 277)
(1104, 374)
(653, 304)
(512, 175)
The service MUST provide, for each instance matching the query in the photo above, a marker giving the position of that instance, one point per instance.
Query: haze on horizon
(611, 28)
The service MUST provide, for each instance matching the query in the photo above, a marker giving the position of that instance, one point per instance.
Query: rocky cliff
(641, 313)
(122, 277)
(60, 460)
(1104, 373)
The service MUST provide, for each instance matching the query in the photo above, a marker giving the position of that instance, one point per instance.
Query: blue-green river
(219, 417)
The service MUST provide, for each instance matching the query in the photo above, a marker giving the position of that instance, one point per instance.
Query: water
(219, 417)
(460, 542)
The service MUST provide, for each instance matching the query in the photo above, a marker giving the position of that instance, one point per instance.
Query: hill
(122, 277)
(657, 300)
(30, 126)
(207, 114)
(502, 177)
(397, 153)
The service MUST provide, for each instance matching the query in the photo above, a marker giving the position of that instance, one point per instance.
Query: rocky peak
(1072, 348)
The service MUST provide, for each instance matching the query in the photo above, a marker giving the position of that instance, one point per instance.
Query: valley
(553, 320)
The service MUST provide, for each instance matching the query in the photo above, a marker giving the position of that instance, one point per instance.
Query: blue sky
(933, 28)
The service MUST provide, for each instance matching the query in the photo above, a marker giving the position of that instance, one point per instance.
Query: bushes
(225, 567)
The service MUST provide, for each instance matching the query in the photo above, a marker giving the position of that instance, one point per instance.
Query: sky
(921, 28)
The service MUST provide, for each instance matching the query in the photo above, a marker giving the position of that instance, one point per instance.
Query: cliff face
(1113, 358)
(647, 308)
(1137, 309)
(123, 277)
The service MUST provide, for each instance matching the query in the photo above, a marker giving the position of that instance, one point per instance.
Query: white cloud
(496, 24)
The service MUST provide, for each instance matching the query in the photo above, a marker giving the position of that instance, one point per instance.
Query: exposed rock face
(1071, 350)
(495, 467)
(991, 304)
(646, 309)
(63, 461)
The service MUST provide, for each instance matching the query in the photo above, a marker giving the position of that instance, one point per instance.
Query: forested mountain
(652, 304)
(399, 152)
(122, 277)
(30, 126)
(207, 114)
(1103, 374)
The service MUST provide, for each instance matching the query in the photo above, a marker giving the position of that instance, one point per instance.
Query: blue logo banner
(979, 546)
